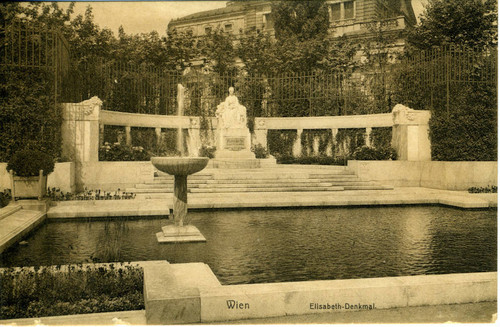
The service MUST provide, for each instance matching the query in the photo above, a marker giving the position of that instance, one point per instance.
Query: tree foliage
(304, 20)
(465, 22)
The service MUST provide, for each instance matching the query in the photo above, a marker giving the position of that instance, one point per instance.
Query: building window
(228, 28)
(268, 21)
(335, 12)
(342, 10)
(349, 10)
(208, 29)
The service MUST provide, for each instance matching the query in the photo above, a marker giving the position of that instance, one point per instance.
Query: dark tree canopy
(463, 22)
(303, 19)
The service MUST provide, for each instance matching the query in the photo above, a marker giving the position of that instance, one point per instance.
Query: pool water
(256, 246)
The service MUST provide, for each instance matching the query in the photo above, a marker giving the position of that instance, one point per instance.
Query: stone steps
(17, 224)
(269, 189)
(284, 179)
(256, 183)
(9, 210)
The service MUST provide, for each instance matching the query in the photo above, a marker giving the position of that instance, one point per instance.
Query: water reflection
(286, 245)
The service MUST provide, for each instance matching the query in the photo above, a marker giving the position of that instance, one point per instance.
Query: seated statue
(230, 113)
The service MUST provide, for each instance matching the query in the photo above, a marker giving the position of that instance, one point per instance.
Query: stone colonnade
(82, 123)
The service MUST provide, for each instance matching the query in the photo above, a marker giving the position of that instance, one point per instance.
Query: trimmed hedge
(29, 117)
(469, 131)
(27, 163)
(369, 153)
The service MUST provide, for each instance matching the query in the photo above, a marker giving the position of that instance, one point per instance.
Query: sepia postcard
(248, 162)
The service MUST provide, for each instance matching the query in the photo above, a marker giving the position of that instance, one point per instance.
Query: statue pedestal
(180, 234)
(234, 143)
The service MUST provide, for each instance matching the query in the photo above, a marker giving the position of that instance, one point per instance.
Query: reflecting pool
(256, 246)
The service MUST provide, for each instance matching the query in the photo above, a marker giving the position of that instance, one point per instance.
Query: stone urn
(180, 168)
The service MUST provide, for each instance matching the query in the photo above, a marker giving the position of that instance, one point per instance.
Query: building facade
(352, 18)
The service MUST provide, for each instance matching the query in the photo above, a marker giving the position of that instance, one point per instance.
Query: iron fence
(124, 86)
(422, 80)
(432, 78)
(25, 46)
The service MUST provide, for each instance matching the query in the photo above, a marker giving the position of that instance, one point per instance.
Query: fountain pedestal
(180, 230)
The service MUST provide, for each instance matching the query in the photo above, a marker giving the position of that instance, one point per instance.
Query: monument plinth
(233, 135)
(180, 231)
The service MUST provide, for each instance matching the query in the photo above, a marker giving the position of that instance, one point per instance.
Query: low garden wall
(63, 177)
(111, 175)
(447, 175)
(173, 296)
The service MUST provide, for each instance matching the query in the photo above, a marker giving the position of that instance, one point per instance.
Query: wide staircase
(283, 179)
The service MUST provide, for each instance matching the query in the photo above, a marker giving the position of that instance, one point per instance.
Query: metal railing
(32, 47)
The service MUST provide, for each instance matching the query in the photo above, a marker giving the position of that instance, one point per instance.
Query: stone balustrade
(84, 121)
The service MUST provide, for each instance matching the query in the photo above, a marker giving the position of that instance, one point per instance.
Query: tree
(256, 50)
(301, 30)
(87, 41)
(462, 22)
(303, 19)
(217, 47)
(180, 49)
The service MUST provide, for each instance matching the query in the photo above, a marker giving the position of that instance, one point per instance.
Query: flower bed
(75, 289)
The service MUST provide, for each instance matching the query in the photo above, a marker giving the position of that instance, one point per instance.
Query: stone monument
(233, 135)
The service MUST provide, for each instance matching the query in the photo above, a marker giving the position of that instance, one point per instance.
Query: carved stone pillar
(260, 131)
(80, 133)
(410, 133)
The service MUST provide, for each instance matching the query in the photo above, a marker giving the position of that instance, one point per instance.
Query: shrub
(489, 189)
(281, 142)
(324, 137)
(29, 117)
(469, 131)
(29, 162)
(207, 151)
(260, 151)
(348, 140)
(381, 137)
(120, 152)
(312, 160)
(369, 153)
(75, 290)
(5, 197)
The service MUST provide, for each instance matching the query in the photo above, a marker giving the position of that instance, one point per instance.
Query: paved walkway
(457, 313)
(397, 196)
(157, 204)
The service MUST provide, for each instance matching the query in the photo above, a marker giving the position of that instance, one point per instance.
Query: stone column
(260, 132)
(194, 143)
(80, 130)
(368, 132)
(180, 200)
(158, 135)
(128, 136)
(334, 139)
(410, 133)
(101, 134)
(80, 133)
(297, 145)
(180, 112)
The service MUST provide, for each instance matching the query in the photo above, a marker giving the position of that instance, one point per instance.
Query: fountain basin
(179, 166)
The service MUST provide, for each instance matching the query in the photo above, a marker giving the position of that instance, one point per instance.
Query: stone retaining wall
(62, 177)
(188, 293)
(446, 175)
